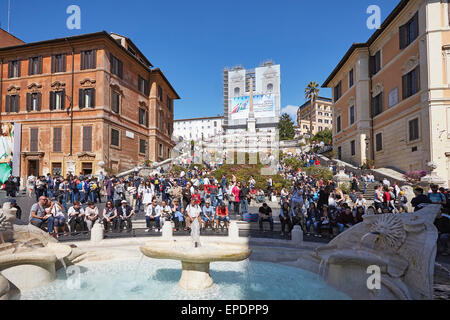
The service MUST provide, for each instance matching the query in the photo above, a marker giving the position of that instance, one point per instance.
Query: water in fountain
(195, 233)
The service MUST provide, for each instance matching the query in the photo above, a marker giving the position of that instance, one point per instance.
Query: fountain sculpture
(196, 257)
(28, 256)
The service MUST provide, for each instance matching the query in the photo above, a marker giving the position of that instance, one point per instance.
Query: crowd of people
(317, 205)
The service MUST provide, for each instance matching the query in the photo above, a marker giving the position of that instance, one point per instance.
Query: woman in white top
(59, 219)
(148, 194)
(91, 213)
(192, 212)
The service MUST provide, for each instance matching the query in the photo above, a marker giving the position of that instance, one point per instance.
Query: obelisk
(251, 121)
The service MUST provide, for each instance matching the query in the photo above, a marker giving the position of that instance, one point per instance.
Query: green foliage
(326, 136)
(243, 172)
(368, 163)
(346, 187)
(319, 172)
(330, 154)
(286, 127)
(294, 163)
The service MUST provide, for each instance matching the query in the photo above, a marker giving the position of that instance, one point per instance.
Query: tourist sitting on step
(208, 215)
(345, 219)
(222, 215)
(312, 218)
(124, 215)
(76, 218)
(38, 216)
(110, 216)
(91, 213)
(166, 213)
(265, 215)
(59, 220)
(153, 215)
(193, 211)
(286, 219)
(177, 214)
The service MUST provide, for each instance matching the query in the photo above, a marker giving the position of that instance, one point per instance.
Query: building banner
(6, 150)
(263, 106)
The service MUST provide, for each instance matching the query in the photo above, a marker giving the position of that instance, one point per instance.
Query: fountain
(28, 256)
(196, 257)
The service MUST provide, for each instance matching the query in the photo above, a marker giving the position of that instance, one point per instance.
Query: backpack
(80, 186)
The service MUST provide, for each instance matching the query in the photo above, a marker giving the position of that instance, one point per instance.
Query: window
(34, 101)
(413, 129)
(352, 115)
(57, 139)
(88, 59)
(14, 69)
(375, 63)
(160, 93)
(143, 117)
(320, 121)
(338, 124)
(320, 113)
(215, 124)
(59, 63)
(115, 138)
(160, 150)
(12, 103)
(269, 87)
(115, 102)
(116, 66)
(409, 32)
(350, 79)
(57, 100)
(379, 142)
(143, 86)
(161, 124)
(377, 104)
(338, 91)
(87, 98)
(305, 127)
(320, 128)
(327, 121)
(411, 83)
(34, 139)
(87, 138)
(56, 168)
(237, 92)
(169, 103)
(353, 147)
(34, 66)
(169, 131)
(340, 153)
(142, 146)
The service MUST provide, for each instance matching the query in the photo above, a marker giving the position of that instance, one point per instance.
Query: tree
(312, 93)
(326, 136)
(286, 127)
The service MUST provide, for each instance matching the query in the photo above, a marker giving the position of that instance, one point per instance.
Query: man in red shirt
(196, 197)
(222, 215)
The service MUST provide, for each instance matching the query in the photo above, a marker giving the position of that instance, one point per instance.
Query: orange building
(322, 116)
(392, 94)
(122, 108)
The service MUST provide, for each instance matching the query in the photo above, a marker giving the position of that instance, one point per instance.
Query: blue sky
(192, 41)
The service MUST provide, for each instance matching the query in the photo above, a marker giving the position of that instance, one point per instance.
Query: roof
(374, 36)
(11, 37)
(74, 38)
(195, 119)
(318, 98)
(157, 70)
(134, 46)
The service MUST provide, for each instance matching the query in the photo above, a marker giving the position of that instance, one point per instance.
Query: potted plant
(369, 164)
(331, 154)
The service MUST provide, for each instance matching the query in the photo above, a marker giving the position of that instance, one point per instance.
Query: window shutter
(120, 69)
(19, 65)
(83, 60)
(8, 104)
(63, 99)
(81, 99)
(403, 34)
(147, 88)
(40, 65)
(39, 99)
(405, 86)
(416, 25)
(34, 139)
(56, 139)
(64, 61)
(28, 102)
(87, 138)
(17, 105)
(111, 60)
(30, 66)
(53, 63)
(146, 118)
(94, 59)
(92, 96)
(10, 69)
(417, 71)
(52, 100)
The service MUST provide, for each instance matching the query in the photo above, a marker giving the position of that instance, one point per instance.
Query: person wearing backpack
(437, 197)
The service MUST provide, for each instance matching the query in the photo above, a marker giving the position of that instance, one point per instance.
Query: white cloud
(292, 111)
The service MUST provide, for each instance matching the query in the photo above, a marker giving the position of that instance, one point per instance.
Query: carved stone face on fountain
(7, 217)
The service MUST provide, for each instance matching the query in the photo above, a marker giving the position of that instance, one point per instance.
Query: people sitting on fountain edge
(222, 215)
(76, 218)
(177, 214)
(208, 215)
(265, 215)
(110, 216)
(153, 215)
(124, 213)
(38, 216)
(193, 211)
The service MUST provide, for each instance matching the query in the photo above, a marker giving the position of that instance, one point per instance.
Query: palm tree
(311, 93)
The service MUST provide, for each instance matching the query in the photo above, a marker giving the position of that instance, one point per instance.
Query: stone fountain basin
(185, 251)
(195, 261)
